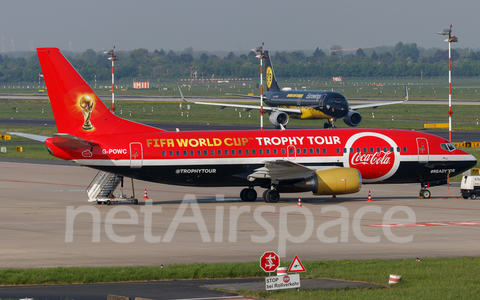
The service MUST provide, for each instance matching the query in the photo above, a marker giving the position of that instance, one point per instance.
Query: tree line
(402, 60)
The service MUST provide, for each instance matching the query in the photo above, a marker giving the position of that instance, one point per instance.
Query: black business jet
(285, 103)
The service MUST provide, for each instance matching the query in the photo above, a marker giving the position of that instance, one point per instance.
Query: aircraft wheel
(264, 196)
(135, 201)
(98, 202)
(272, 196)
(242, 194)
(249, 195)
(108, 202)
(473, 196)
(326, 125)
(425, 194)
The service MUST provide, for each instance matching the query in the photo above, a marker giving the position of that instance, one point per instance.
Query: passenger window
(260, 151)
(291, 150)
(178, 153)
(324, 150)
(338, 150)
(304, 150)
(317, 150)
(233, 152)
(239, 152)
(170, 153)
(351, 150)
(164, 153)
(268, 151)
(246, 152)
(398, 149)
(254, 151)
(311, 150)
(283, 151)
(385, 149)
(275, 151)
(344, 150)
(212, 152)
(184, 152)
(365, 150)
(371, 149)
(378, 149)
(358, 150)
(205, 152)
(404, 149)
(199, 153)
(225, 152)
(192, 153)
(219, 152)
(299, 151)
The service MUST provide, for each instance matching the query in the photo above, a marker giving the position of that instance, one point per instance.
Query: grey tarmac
(35, 199)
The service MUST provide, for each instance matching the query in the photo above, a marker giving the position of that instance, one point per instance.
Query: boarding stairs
(102, 189)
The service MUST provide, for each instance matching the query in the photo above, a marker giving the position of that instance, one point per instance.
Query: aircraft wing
(248, 107)
(284, 169)
(375, 105)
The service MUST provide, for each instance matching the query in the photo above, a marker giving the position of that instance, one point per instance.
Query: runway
(47, 222)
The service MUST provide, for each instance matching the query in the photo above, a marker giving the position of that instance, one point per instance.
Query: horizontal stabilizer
(71, 141)
(34, 137)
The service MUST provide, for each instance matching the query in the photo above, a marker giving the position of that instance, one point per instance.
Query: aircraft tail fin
(78, 111)
(270, 74)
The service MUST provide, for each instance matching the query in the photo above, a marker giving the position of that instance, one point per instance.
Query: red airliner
(326, 162)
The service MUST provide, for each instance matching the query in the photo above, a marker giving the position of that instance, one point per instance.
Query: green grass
(431, 278)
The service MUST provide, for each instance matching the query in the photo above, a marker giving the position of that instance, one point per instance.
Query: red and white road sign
(269, 261)
(296, 266)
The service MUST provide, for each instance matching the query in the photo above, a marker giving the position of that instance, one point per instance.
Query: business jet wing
(375, 105)
(248, 107)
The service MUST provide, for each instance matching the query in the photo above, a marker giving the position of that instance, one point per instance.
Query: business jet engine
(278, 117)
(353, 119)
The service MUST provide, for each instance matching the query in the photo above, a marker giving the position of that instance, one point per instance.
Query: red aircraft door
(422, 145)
(136, 155)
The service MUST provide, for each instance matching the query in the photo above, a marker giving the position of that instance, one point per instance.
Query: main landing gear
(250, 195)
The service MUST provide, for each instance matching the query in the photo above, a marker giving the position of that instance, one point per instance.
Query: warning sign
(296, 266)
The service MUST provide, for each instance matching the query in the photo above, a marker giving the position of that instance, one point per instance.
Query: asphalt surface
(160, 290)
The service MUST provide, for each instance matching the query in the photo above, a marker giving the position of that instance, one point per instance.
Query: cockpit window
(448, 146)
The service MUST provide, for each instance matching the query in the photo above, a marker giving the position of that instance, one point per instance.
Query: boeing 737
(325, 162)
(285, 103)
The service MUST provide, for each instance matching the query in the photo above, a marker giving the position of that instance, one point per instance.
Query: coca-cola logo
(373, 154)
(286, 279)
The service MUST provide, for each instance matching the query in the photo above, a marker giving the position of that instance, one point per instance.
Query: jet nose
(339, 108)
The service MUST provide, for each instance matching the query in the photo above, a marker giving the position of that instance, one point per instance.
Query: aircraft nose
(339, 108)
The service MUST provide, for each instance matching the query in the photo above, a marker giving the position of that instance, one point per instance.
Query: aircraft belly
(415, 172)
(197, 175)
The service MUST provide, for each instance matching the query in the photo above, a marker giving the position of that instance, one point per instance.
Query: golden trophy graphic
(86, 104)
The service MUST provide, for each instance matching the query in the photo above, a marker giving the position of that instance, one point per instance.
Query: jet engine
(353, 118)
(278, 117)
(335, 181)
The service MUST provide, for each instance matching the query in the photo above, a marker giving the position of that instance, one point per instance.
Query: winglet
(181, 94)
(406, 93)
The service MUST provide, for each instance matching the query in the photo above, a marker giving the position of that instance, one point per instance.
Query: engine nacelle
(353, 118)
(335, 181)
(278, 117)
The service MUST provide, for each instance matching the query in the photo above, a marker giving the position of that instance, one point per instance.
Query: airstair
(102, 189)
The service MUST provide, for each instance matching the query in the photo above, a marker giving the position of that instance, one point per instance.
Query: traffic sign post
(269, 261)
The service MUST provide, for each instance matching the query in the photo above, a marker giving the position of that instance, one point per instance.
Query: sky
(227, 25)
